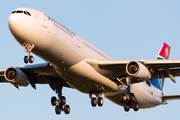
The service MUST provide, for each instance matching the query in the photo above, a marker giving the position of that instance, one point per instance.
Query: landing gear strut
(129, 99)
(60, 103)
(28, 48)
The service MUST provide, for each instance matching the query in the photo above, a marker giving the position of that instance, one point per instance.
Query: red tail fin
(164, 52)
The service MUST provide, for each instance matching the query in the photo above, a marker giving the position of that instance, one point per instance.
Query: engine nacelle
(16, 77)
(138, 71)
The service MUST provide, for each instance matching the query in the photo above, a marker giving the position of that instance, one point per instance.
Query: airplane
(73, 62)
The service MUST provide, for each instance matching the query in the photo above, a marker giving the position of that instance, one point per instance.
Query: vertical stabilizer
(164, 52)
(162, 55)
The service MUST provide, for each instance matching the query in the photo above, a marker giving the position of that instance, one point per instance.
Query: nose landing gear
(28, 48)
(28, 59)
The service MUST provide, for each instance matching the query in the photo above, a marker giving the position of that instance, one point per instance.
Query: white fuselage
(68, 53)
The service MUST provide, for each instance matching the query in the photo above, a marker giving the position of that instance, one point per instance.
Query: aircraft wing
(158, 64)
(157, 68)
(37, 74)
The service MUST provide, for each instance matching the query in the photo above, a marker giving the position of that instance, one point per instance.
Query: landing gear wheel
(93, 102)
(131, 98)
(26, 59)
(53, 101)
(136, 106)
(31, 59)
(58, 109)
(100, 101)
(122, 96)
(67, 109)
(62, 100)
(126, 107)
(28, 48)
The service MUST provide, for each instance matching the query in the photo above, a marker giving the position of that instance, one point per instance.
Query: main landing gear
(60, 105)
(60, 102)
(98, 100)
(28, 48)
(129, 102)
(129, 99)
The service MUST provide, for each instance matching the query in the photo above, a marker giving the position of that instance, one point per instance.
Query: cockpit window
(19, 11)
(13, 12)
(25, 12)
(28, 13)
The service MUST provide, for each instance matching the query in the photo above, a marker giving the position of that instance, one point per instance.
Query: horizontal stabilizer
(171, 97)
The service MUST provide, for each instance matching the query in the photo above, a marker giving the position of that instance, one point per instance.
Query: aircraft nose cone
(13, 23)
(17, 27)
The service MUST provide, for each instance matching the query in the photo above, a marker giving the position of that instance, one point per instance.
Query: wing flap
(162, 74)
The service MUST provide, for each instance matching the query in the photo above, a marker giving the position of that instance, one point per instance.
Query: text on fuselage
(60, 25)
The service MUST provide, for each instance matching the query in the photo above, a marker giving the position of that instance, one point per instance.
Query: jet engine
(16, 77)
(138, 71)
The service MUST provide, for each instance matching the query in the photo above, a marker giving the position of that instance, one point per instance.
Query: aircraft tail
(162, 55)
(164, 52)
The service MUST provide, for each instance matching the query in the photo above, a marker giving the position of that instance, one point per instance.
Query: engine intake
(138, 71)
(16, 77)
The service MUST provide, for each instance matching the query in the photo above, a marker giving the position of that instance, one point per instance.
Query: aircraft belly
(86, 79)
(144, 96)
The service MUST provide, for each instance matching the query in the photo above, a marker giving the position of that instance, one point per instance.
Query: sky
(125, 29)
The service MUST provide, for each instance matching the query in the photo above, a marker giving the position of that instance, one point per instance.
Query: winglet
(164, 52)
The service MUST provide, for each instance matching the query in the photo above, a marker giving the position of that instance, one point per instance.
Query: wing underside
(39, 74)
(117, 68)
